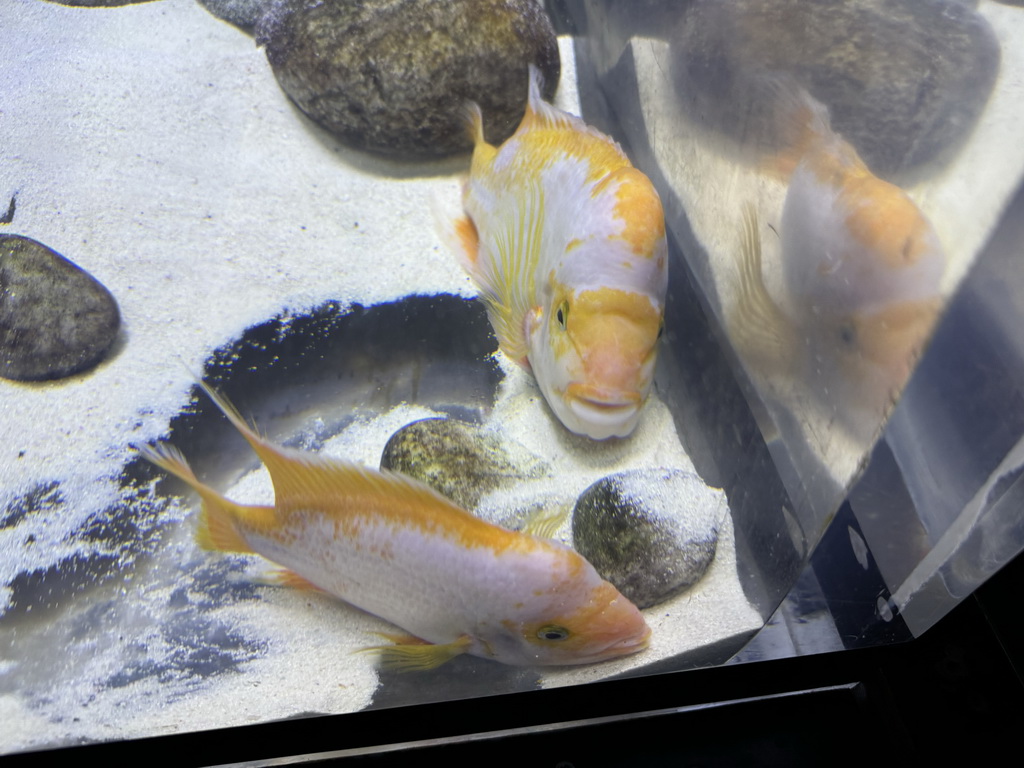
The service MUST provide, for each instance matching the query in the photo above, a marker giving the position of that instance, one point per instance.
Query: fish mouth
(627, 646)
(604, 397)
(604, 415)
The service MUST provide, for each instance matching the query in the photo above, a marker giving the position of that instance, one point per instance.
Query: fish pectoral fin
(282, 577)
(757, 326)
(417, 655)
(402, 638)
(544, 523)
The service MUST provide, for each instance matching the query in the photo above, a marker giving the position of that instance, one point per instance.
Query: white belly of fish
(429, 585)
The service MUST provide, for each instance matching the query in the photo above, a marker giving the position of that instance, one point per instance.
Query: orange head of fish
(596, 625)
(595, 358)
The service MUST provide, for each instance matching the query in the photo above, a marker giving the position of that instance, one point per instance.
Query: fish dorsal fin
(302, 480)
(473, 119)
(540, 111)
(552, 133)
(353, 495)
(343, 491)
(307, 481)
(541, 114)
(805, 131)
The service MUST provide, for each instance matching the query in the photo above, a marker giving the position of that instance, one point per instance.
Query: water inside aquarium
(831, 175)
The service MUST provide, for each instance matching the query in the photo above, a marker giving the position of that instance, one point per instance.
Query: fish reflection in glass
(862, 268)
(566, 242)
(397, 549)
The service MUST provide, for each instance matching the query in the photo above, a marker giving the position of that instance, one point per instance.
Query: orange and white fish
(397, 549)
(566, 242)
(862, 268)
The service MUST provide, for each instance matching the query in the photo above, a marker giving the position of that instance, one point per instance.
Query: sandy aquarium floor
(151, 145)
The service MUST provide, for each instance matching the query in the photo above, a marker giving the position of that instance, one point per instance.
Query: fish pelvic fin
(218, 522)
(506, 275)
(418, 655)
(282, 577)
(463, 240)
(459, 234)
(544, 523)
(761, 331)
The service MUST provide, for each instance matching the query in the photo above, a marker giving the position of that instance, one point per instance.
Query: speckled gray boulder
(458, 459)
(904, 80)
(392, 76)
(55, 318)
(650, 532)
(244, 14)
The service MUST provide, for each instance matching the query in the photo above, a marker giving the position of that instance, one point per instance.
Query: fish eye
(562, 314)
(847, 334)
(552, 632)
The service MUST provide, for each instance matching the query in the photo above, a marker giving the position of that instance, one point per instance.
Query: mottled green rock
(55, 318)
(457, 459)
(650, 532)
(392, 76)
(904, 80)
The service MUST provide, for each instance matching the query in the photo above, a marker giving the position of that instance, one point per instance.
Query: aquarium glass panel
(360, 355)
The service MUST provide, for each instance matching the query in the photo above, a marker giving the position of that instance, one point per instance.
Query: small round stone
(650, 532)
(458, 460)
(55, 318)
(393, 76)
(904, 81)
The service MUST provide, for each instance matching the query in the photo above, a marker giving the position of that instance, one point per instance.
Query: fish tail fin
(218, 529)
(218, 519)
(759, 328)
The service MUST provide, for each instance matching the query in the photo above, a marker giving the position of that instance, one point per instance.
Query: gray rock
(392, 76)
(904, 80)
(650, 532)
(457, 459)
(244, 14)
(55, 318)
